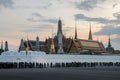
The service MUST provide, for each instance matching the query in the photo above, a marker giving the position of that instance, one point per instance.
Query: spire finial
(109, 42)
(27, 36)
(75, 29)
(59, 27)
(90, 34)
(27, 45)
(52, 32)
(59, 18)
(37, 34)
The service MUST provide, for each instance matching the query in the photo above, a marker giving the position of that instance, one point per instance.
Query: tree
(1, 50)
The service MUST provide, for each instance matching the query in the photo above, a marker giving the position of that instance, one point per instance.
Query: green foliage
(90, 52)
(97, 53)
(86, 52)
(1, 50)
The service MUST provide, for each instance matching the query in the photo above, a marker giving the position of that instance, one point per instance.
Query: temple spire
(37, 43)
(22, 46)
(90, 34)
(60, 38)
(6, 46)
(59, 27)
(109, 42)
(27, 45)
(109, 48)
(52, 48)
(27, 41)
(75, 30)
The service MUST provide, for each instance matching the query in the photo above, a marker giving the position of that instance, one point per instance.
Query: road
(61, 74)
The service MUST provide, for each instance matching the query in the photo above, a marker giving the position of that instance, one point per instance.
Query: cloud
(116, 39)
(114, 5)
(54, 21)
(44, 26)
(88, 4)
(50, 20)
(38, 28)
(33, 20)
(83, 17)
(47, 6)
(117, 15)
(38, 15)
(115, 42)
(108, 29)
(67, 29)
(6, 3)
(99, 19)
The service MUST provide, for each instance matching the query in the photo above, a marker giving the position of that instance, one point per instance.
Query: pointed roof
(22, 43)
(6, 46)
(109, 48)
(52, 32)
(27, 45)
(82, 44)
(75, 30)
(37, 37)
(52, 48)
(90, 34)
(109, 41)
(59, 27)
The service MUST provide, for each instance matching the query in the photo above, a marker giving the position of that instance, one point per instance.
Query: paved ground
(61, 74)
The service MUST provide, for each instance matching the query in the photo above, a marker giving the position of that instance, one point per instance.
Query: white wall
(48, 58)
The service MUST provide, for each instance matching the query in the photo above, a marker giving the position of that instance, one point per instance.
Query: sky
(39, 17)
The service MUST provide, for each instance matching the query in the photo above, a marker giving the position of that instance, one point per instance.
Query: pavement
(99, 73)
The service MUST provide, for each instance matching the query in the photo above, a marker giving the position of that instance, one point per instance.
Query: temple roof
(33, 43)
(82, 44)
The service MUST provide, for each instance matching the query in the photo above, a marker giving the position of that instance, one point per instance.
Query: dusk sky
(37, 17)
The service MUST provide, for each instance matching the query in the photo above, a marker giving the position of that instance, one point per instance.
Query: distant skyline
(37, 17)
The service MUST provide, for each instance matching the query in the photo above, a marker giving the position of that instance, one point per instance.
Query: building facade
(60, 44)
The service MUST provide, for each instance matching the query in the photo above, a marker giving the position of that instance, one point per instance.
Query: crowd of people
(8, 65)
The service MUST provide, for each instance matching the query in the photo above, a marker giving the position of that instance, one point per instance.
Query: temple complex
(59, 44)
